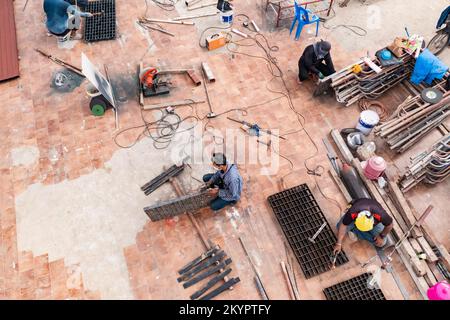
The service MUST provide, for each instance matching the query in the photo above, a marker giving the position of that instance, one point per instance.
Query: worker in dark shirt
(62, 17)
(367, 219)
(312, 61)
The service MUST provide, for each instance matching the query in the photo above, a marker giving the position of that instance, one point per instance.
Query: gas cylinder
(375, 168)
(353, 183)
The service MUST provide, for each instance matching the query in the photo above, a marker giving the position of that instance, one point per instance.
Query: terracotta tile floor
(62, 128)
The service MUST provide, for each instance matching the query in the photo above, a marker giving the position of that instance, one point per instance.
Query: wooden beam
(420, 282)
(342, 146)
(402, 205)
(445, 256)
(188, 23)
(194, 16)
(431, 256)
(171, 104)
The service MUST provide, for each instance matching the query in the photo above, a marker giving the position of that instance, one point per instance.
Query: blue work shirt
(232, 181)
(57, 15)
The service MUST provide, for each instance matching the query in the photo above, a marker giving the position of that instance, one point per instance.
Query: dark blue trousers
(217, 203)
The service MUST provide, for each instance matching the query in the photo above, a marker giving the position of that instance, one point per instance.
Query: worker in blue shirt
(225, 184)
(62, 17)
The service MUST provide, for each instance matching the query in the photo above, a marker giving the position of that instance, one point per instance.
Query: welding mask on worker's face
(364, 222)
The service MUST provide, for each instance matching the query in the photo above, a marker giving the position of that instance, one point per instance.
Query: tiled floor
(73, 143)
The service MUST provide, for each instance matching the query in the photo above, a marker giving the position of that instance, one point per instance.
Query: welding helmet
(364, 222)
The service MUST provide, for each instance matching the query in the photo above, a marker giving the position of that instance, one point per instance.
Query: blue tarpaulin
(428, 68)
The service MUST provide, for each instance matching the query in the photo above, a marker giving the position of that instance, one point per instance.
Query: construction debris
(430, 167)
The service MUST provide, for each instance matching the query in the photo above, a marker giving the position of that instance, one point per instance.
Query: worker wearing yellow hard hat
(367, 220)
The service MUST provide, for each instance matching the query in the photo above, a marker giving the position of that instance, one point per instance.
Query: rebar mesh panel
(300, 217)
(103, 26)
(175, 207)
(354, 289)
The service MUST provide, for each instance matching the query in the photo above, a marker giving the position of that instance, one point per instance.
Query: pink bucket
(375, 168)
(440, 291)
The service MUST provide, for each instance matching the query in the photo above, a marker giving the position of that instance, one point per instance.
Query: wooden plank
(430, 278)
(393, 209)
(437, 274)
(194, 16)
(431, 256)
(171, 104)
(445, 256)
(340, 185)
(188, 23)
(420, 282)
(419, 266)
(342, 146)
(416, 246)
(402, 205)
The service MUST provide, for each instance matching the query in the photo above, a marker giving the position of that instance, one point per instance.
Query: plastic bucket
(368, 119)
(226, 17)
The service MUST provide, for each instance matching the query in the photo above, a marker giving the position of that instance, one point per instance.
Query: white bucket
(226, 17)
(368, 119)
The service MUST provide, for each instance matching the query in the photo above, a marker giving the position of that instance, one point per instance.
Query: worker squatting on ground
(367, 219)
(311, 61)
(63, 18)
(226, 183)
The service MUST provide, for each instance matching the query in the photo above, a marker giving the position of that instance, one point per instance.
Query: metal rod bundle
(414, 119)
(432, 166)
(155, 183)
(350, 87)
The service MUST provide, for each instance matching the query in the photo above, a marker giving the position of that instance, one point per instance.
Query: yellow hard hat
(364, 222)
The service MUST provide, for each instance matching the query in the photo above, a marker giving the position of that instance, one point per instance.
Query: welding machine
(215, 41)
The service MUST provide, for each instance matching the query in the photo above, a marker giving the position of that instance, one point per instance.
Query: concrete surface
(90, 219)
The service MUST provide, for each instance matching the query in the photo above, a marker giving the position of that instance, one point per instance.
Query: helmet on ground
(364, 222)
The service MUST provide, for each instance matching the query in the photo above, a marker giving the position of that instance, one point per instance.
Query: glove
(321, 76)
(89, 15)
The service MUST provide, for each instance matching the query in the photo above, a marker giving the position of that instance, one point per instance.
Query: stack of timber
(413, 120)
(431, 167)
(350, 87)
(424, 266)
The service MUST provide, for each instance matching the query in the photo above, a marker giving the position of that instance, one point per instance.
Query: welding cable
(161, 131)
(359, 31)
(277, 73)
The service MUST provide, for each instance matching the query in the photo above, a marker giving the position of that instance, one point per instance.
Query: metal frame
(300, 216)
(280, 8)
